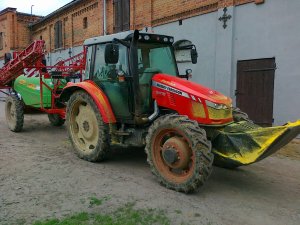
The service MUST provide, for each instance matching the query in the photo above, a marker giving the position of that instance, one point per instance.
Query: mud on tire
(14, 113)
(180, 129)
(88, 133)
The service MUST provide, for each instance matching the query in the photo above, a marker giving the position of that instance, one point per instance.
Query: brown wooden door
(121, 15)
(255, 89)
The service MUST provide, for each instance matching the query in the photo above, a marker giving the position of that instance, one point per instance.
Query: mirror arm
(125, 43)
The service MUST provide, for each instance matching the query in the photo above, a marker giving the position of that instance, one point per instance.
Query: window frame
(85, 23)
(121, 15)
(58, 35)
(1, 40)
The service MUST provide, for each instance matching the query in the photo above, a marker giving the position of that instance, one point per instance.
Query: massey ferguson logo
(170, 89)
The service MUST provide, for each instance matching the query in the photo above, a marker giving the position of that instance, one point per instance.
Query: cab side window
(109, 72)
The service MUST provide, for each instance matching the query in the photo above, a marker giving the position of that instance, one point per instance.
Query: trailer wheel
(14, 113)
(88, 133)
(56, 120)
(179, 153)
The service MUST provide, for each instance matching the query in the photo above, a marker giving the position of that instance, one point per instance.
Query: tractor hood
(192, 89)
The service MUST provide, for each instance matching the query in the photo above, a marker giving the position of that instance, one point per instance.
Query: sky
(40, 8)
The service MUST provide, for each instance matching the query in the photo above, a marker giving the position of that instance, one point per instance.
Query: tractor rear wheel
(56, 120)
(179, 153)
(14, 113)
(88, 133)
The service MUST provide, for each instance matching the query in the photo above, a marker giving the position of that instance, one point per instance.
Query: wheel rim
(173, 156)
(10, 113)
(84, 127)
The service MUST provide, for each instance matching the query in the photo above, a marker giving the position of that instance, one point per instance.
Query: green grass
(97, 201)
(126, 215)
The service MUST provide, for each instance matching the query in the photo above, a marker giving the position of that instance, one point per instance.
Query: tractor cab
(123, 65)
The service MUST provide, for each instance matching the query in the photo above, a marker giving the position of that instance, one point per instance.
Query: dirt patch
(40, 177)
(292, 150)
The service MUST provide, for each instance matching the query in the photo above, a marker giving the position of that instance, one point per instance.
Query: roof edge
(59, 10)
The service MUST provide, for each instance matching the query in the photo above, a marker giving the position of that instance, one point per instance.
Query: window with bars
(1, 40)
(58, 37)
(121, 15)
(85, 23)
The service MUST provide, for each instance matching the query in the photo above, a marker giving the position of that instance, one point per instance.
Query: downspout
(104, 18)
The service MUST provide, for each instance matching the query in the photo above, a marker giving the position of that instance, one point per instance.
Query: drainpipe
(31, 22)
(104, 17)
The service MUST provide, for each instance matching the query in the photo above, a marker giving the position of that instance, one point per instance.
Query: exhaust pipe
(155, 113)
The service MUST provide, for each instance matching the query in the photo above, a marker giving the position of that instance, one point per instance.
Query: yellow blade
(242, 146)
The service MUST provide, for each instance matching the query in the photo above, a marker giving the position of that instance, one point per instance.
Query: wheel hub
(176, 153)
(86, 126)
(170, 155)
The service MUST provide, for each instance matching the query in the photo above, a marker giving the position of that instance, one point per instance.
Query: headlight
(198, 109)
(216, 106)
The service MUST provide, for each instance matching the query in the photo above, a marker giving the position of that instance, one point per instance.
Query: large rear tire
(14, 113)
(88, 133)
(179, 153)
(56, 120)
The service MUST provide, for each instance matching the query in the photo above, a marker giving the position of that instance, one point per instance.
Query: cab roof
(122, 36)
(107, 38)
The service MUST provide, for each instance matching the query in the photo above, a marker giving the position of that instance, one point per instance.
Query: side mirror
(111, 53)
(194, 55)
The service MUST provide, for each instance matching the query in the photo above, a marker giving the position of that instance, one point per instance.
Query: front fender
(97, 95)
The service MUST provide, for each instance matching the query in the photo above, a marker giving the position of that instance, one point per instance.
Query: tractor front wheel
(14, 113)
(87, 131)
(179, 153)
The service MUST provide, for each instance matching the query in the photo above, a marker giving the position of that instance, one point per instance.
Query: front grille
(218, 114)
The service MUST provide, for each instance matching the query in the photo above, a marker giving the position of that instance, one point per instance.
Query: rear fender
(97, 95)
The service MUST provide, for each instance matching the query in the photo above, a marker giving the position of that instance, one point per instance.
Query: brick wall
(172, 10)
(143, 13)
(15, 29)
(6, 25)
(73, 30)
(22, 32)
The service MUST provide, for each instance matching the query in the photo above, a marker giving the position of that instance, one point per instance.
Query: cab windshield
(156, 57)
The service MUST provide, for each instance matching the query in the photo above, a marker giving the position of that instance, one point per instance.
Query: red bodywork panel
(98, 96)
(179, 94)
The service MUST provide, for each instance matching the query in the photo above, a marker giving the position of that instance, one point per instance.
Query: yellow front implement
(245, 143)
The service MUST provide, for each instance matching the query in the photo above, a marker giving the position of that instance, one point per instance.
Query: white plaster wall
(272, 30)
(255, 31)
(201, 31)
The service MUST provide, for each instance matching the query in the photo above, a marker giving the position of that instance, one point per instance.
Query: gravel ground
(40, 177)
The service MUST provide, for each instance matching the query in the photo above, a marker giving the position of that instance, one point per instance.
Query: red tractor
(133, 95)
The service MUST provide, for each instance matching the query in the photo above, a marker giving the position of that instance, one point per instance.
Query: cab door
(106, 76)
